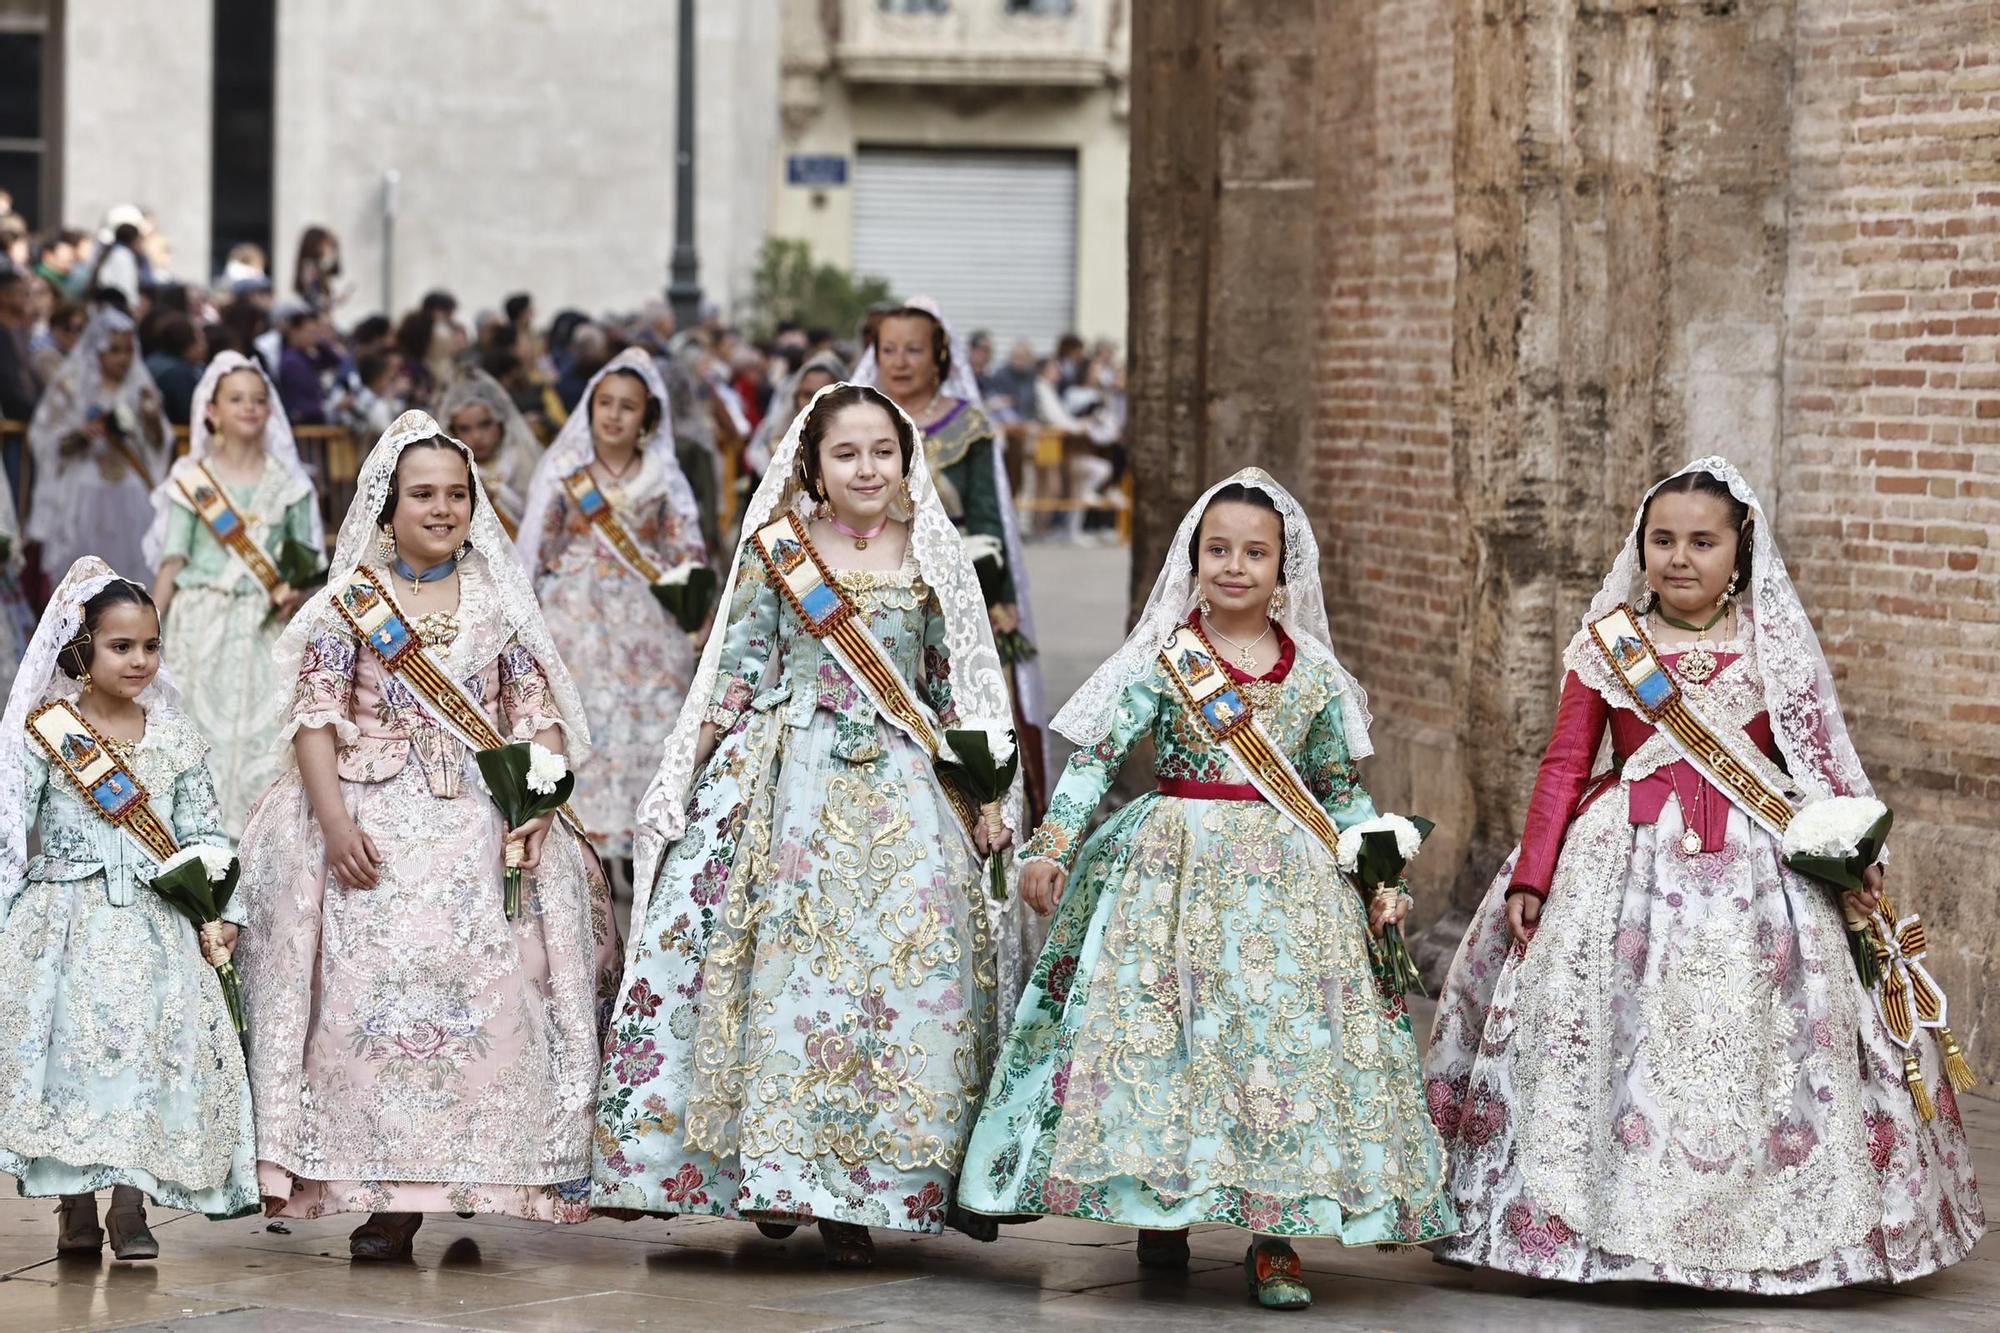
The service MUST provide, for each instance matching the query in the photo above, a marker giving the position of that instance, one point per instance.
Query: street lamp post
(684, 286)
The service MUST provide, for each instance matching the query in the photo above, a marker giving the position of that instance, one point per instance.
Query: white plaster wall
(736, 127)
(535, 145)
(136, 117)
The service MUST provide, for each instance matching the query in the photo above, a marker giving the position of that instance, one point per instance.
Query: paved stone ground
(235, 1277)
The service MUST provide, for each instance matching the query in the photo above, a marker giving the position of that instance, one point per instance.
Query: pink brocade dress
(412, 1050)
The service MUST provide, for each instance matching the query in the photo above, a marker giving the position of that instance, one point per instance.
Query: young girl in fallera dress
(121, 1064)
(222, 620)
(803, 1028)
(1205, 1038)
(630, 657)
(1653, 1058)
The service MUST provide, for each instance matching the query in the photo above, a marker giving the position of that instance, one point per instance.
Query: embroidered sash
(364, 601)
(509, 524)
(211, 505)
(1740, 770)
(827, 615)
(106, 785)
(592, 504)
(1190, 661)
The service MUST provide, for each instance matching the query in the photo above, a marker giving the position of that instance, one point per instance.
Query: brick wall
(1890, 517)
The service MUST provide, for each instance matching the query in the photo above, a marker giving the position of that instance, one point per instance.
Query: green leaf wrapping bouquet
(687, 591)
(526, 781)
(1835, 841)
(198, 881)
(1375, 853)
(983, 761)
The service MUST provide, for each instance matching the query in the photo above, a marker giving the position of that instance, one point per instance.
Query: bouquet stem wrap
(1835, 841)
(526, 781)
(1375, 853)
(984, 763)
(198, 883)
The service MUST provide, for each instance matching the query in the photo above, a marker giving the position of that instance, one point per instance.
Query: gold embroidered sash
(1740, 771)
(106, 785)
(1191, 662)
(592, 504)
(364, 601)
(211, 505)
(804, 582)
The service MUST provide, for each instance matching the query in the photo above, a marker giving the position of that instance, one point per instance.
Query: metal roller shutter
(990, 234)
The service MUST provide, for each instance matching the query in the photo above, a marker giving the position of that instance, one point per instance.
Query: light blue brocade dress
(118, 1061)
(804, 1032)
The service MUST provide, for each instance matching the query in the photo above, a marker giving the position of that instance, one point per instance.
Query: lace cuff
(534, 724)
(722, 717)
(345, 731)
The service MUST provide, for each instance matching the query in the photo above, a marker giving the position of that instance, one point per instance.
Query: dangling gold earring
(1278, 602)
(88, 683)
(385, 545)
(909, 499)
(1729, 592)
(1202, 602)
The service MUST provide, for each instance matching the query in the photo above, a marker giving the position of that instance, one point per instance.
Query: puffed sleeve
(1089, 774)
(525, 706)
(935, 677)
(323, 695)
(749, 642)
(1580, 721)
(180, 532)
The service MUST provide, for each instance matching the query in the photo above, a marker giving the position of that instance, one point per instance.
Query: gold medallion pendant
(1690, 843)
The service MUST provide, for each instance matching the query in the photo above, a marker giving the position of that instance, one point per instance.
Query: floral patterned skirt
(411, 1049)
(1204, 1040)
(123, 1067)
(1681, 1080)
(220, 646)
(804, 1031)
(633, 665)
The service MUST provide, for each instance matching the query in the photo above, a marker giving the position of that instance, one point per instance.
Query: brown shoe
(385, 1236)
(77, 1232)
(847, 1245)
(131, 1239)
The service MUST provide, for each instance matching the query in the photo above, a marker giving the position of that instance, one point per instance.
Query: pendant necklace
(861, 539)
(1244, 659)
(1697, 662)
(1690, 839)
(614, 483)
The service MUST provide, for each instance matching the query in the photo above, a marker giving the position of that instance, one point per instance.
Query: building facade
(975, 151)
(1471, 275)
(521, 144)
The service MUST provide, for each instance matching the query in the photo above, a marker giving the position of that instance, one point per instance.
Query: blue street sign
(815, 169)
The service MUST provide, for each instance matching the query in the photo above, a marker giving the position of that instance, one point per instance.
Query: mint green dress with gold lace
(1204, 1039)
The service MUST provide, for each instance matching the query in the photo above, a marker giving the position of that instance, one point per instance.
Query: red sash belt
(1190, 790)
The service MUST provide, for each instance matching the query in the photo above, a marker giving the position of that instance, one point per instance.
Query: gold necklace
(1698, 662)
(1690, 839)
(614, 483)
(1244, 654)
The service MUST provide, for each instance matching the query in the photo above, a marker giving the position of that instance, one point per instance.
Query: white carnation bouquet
(526, 780)
(1835, 840)
(982, 759)
(1374, 854)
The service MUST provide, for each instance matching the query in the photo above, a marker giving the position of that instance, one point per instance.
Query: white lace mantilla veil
(757, 454)
(979, 686)
(574, 447)
(279, 445)
(1086, 719)
(1798, 686)
(37, 681)
(964, 385)
(491, 550)
(519, 450)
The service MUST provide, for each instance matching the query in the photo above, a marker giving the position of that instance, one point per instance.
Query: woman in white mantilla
(120, 1066)
(100, 442)
(222, 616)
(412, 1049)
(1653, 1057)
(805, 1021)
(629, 656)
(477, 410)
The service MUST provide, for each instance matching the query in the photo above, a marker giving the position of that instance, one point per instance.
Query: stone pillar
(1223, 255)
